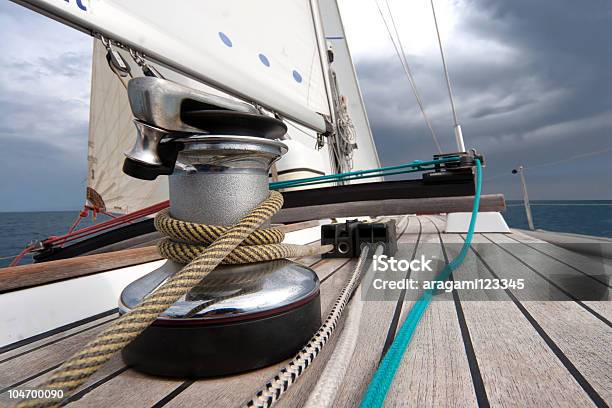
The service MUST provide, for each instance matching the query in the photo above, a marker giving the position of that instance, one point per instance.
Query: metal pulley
(167, 115)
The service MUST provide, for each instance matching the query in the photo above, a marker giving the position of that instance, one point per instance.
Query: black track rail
(461, 186)
(84, 246)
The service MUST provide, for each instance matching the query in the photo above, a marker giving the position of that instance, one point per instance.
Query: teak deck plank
(44, 339)
(128, 389)
(564, 282)
(586, 264)
(494, 347)
(517, 367)
(511, 352)
(34, 365)
(603, 307)
(24, 276)
(37, 361)
(598, 269)
(435, 367)
(569, 279)
(434, 370)
(581, 337)
(589, 337)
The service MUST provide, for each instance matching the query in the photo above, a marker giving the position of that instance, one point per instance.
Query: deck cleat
(240, 317)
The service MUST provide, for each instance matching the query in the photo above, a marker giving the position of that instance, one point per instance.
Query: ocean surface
(17, 230)
(593, 217)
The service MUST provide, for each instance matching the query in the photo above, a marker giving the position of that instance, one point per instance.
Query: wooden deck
(498, 351)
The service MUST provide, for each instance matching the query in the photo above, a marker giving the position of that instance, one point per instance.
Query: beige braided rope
(75, 371)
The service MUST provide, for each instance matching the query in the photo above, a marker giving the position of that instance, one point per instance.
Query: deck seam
(560, 261)
(49, 333)
(335, 270)
(566, 293)
(78, 395)
(480, 391)
(57, 340)
(556, 350)
(169, 397)
(30, 378)
(400, 301)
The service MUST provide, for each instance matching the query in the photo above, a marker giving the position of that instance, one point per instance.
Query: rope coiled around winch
(75, 371)
(187, 240)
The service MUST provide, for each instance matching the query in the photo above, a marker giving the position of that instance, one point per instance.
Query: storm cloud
(532, 82)
(45, 71)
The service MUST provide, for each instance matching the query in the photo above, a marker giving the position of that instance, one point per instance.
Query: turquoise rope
(411, 167)
(383, 377)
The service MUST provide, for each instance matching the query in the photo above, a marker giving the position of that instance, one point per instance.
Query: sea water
(17, 230)
(593, 217)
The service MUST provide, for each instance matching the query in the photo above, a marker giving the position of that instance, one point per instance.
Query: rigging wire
(2, 258)
(531, 204)
(552, 163)
(578, 156)
(448, 83)
(399, 51)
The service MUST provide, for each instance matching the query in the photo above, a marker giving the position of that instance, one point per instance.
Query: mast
(456, 125)
(365, 155)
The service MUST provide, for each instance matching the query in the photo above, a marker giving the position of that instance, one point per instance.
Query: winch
(217, 153)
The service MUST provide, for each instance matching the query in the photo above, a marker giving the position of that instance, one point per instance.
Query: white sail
(111, 133)
(267, 52)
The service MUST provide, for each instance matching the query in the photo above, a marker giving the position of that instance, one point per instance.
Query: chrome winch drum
(240, 317)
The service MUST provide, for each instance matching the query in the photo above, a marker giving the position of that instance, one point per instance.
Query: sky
(532, 84)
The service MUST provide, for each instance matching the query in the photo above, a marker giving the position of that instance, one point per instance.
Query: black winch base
(197, 351)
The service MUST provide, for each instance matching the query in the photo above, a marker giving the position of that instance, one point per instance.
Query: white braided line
(324, 392)
(289, 374)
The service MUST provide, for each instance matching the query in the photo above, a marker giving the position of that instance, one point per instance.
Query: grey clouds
(532, 81)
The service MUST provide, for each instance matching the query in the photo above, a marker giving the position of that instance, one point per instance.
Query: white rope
(324, 392)
(288, 375)
(399, 51)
